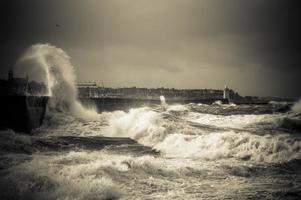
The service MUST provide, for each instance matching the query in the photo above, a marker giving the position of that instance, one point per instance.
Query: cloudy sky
(251, 45)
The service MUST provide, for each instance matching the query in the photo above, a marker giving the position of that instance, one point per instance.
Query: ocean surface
(191, 151)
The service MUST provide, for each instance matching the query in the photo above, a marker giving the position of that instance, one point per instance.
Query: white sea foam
(219, 145)
(173, 140)
(231, 121)
(177, 107)
(75, 175)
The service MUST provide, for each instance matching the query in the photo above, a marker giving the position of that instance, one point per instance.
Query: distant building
(88, 89)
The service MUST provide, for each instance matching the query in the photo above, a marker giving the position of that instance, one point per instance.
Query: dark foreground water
(189, 151)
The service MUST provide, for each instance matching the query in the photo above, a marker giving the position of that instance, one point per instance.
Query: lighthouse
(226, 93)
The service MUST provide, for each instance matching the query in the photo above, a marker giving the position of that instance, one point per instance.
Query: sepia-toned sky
(251, 45)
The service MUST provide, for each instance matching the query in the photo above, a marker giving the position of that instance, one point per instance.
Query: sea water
(201, 156)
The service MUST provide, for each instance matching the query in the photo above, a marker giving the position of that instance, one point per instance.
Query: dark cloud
(252, 45)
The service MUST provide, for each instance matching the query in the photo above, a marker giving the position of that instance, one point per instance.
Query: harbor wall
(111, 104)
(22, 113)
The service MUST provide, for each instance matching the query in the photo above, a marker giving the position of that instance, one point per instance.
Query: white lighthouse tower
(226, 93)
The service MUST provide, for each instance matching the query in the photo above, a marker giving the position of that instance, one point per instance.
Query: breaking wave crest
(142, 124)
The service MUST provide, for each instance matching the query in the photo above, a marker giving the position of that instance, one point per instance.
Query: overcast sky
(251, 45)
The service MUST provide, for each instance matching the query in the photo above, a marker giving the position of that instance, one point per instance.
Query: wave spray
(54, 68)
(163, 102)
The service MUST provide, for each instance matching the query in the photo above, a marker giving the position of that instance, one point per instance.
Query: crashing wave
(56, 71)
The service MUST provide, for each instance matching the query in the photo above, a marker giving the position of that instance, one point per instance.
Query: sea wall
(22, 113)
(110, 104)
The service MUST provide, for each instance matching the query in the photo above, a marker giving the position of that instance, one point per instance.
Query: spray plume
(55, 69)
(163, 102)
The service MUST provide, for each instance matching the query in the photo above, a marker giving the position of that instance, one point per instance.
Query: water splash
(163, 102)
(55, 69)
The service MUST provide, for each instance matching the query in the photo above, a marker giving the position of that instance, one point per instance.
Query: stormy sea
(191, 151)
